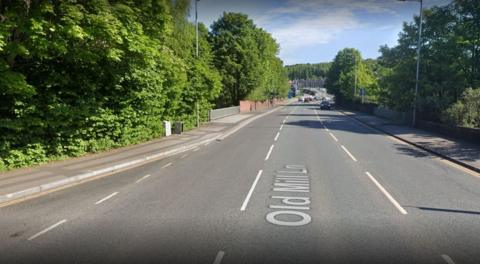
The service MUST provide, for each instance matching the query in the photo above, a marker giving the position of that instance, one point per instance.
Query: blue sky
(311, 31)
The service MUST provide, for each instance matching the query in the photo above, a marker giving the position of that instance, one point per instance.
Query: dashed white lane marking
(47, 229)
(106, 198)
(333, 136)
(245, 202)
(143, 178)
(219, 257)
(276, 137)
(281, 127)
(167, 165)
(208, 143)
(389, 197)
(348, 152)
(269, 152)
(326, 128)
(196, 149)
(448, 259)
(284, 120)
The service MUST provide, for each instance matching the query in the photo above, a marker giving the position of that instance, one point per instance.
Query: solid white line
(167, 165)
(281, 127)
(143, 178)
(106, 198)
(245, 203)
(392, 200)
(219, 257)
(448, 259)
(269, 152)
(276, 137)
(348, 152)
(47, 229)
(334, 138)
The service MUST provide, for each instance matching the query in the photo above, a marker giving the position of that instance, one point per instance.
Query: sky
(312, 31)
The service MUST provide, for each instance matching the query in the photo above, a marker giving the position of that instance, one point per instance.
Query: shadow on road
(444, 210)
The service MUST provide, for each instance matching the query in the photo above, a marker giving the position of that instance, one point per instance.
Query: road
(300, 185)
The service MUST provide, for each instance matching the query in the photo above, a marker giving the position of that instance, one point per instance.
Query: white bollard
(168, 128)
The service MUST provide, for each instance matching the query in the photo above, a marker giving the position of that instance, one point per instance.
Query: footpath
(26, 182)
(461, 152)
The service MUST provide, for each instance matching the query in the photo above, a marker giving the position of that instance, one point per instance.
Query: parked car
(325, 105)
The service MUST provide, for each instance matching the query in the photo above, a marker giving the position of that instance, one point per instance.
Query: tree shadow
(445, 210)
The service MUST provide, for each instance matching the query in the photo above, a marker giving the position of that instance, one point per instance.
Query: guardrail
(223, 112)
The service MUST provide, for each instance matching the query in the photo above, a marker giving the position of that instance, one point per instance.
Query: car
(325, 105)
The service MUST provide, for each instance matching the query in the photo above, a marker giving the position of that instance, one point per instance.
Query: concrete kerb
(460, 163)
(71, 181)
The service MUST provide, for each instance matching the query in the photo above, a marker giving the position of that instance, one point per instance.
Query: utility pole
(417, 75)
(355, 86)
(196, 53)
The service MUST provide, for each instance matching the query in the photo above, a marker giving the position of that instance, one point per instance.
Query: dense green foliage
(450, 63)
(347, 69)
(308, 71)
(450, 60)
(84, 76)
(246, 57)
(466, 111)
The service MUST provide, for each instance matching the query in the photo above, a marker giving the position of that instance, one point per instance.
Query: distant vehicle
(325, 105)
(301, 99)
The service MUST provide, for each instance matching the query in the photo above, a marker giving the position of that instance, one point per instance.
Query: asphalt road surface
(300, 185)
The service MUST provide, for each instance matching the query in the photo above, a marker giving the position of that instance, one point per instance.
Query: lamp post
(418, 59)
(196, 53)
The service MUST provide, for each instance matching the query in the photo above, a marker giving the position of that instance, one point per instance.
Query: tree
(346, 67)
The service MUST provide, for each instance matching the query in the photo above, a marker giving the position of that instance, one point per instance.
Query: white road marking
(183, 156)
(196, 149)
(334, 138)
(389, 197)
(245, 202)
(208, 143)
(106, 198)
(219, 257)
(47, 229)
(167, 165)
(276, 137)
(284, 120)
(281, 127)
(269, 152)
(448, 259)
(326, 128)
(143, 178)
(348, 152)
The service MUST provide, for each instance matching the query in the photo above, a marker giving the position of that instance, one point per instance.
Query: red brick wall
(250, 106)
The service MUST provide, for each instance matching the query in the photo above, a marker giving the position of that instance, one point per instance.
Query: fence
(223, 112)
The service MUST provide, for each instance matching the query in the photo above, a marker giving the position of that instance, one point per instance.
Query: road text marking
(269, 152)
(245, 203)
(106, 198)
(167, 165)
(448, 259)
(143, 178)
(334, 138)
(291, 188)
(219, 257)
(348, 152)
(47, 229)
(276, 137)
(392, 200)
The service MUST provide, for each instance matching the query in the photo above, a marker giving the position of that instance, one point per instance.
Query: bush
(466, 111)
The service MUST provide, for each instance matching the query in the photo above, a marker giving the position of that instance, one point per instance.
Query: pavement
(297, 185)
(23, 183)
(462, 152)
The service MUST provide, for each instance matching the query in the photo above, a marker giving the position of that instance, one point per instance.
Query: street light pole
(417, 75)
(196, 53)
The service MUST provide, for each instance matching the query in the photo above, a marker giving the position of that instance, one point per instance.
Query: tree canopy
(84, 76)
